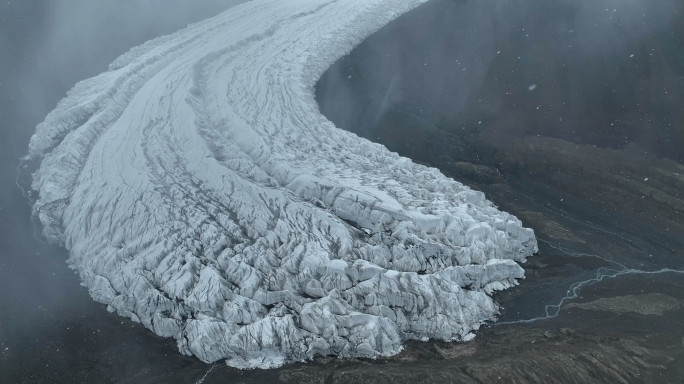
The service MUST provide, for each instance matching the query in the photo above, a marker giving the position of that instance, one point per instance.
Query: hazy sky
(46, 46)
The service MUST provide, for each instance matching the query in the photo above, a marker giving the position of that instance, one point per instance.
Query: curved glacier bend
(201, 193)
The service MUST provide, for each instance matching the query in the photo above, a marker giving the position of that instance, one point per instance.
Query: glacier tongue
(200, 192)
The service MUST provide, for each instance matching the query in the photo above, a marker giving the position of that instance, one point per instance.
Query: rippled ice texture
(200, 192)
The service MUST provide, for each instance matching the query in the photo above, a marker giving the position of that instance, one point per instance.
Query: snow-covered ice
(200, 192)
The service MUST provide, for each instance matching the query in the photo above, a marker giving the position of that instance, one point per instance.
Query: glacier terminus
(200, 192)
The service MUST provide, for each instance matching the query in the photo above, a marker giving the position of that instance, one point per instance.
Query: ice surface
(200, 192)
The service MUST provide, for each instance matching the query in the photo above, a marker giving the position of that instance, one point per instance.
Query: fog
(439, 67)
(589, 63)
(45, 48)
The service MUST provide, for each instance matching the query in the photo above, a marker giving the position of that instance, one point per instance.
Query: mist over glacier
(200, 192)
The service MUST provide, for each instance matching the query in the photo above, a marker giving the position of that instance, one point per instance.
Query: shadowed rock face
(603, 73)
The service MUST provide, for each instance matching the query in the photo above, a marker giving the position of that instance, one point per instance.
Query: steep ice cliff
(200, 192)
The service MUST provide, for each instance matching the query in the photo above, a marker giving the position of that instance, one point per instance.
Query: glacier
(200, 192)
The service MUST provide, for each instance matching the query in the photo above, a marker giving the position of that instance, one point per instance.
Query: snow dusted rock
(200, 192)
